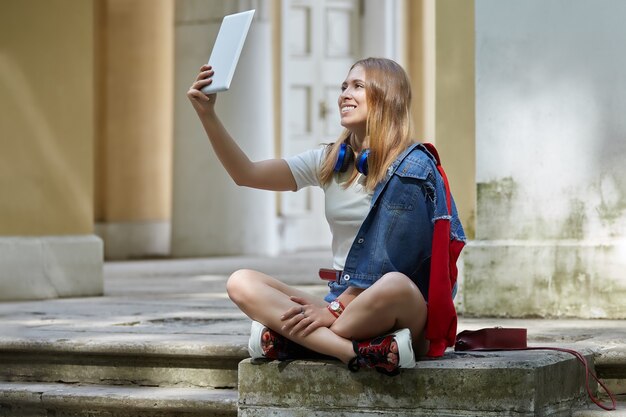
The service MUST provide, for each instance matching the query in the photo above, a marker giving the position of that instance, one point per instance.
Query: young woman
(383, 195)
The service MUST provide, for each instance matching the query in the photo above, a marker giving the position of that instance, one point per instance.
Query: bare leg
(265, 299)
(393, 302)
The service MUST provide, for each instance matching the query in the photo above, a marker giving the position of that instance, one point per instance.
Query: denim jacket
(397, 233)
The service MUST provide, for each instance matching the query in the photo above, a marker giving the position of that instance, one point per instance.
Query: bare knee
(239, 285)
(397, 292)
(395, 286)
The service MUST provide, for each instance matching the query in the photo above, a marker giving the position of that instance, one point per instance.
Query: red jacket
(442, 320)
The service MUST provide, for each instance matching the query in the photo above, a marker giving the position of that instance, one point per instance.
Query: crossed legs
(392, 303)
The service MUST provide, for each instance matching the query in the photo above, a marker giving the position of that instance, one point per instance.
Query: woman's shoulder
(417, 162)
(310, 157)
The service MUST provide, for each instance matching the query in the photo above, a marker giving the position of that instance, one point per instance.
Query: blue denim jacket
(397, 233)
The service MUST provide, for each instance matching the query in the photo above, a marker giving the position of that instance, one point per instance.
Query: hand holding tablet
(227, 49)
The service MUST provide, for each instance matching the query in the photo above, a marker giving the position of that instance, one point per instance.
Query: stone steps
(610, 366)
(119, 377)
(24, 399)
(522, 383)
(75, 378)
(593, 411)
(484, 384)
(166, 340)
(126, 364)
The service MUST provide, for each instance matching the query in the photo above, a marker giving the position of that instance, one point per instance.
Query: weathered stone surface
(544, 279)
(491, 383)
(50, 267)
(593, 411)
(20, 399)
(161, 321)
(212, 371)
(550, 184)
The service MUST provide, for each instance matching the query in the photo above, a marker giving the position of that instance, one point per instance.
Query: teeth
(347, 108)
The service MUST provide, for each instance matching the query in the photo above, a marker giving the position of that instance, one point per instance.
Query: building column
(134, 141)
(211, 215)
(440, 49)
(551, 145)
(47, 246)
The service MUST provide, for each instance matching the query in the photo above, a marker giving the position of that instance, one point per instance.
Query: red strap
(509, 339)
(588, 372)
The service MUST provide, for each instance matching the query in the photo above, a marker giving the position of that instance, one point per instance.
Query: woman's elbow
(242, 181)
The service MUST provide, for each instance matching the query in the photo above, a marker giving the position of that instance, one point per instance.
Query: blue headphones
(346, 157)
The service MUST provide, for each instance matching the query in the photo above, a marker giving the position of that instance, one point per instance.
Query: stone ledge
(37, 399)
(594, 411)
(610, 364)
(523, 383)
(232, 347)
(50, 267)
(163, 362)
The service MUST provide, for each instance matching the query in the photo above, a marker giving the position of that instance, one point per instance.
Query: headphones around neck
(346, 157)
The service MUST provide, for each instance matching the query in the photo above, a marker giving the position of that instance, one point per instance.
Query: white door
(320, 41)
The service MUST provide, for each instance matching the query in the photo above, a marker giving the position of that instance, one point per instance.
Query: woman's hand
(306, 317)
(201, 102)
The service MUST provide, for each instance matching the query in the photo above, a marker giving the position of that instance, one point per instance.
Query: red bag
(500, 338)
(497, 338)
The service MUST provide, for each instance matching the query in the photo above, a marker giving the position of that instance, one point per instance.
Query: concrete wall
(211, 215)
(551, 142)
(46, 151)
(134, 141)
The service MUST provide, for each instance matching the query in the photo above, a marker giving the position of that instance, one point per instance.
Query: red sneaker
(386, 353)
(266, 343)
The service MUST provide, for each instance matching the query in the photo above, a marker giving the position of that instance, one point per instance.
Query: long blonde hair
(388, 126)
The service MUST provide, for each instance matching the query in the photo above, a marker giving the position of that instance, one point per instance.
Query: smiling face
(353, 102)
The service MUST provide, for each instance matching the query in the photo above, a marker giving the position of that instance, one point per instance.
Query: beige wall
(135, 87)
(46, 117)
(455, 97)
(441, 67)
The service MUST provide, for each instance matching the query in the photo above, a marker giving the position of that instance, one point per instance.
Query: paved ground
(180, 306)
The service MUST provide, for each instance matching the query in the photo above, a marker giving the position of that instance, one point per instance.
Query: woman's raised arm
(270, 174)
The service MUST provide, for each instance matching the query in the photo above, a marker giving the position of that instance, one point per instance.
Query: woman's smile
(353, 102)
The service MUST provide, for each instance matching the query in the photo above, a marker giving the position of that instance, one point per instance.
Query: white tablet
(227, 48)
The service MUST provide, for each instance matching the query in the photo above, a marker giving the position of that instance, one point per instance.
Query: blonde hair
(388, 126)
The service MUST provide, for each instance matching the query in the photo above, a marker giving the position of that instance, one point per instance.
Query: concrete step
(593, 410)
(137, 362)
(63, 400)
(606, 339)
(520, 384)
(610, 363)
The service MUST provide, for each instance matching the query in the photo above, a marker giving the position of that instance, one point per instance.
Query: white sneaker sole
(406, 358)
(254, 344)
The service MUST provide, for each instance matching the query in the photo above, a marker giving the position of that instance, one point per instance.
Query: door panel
(320, 43)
